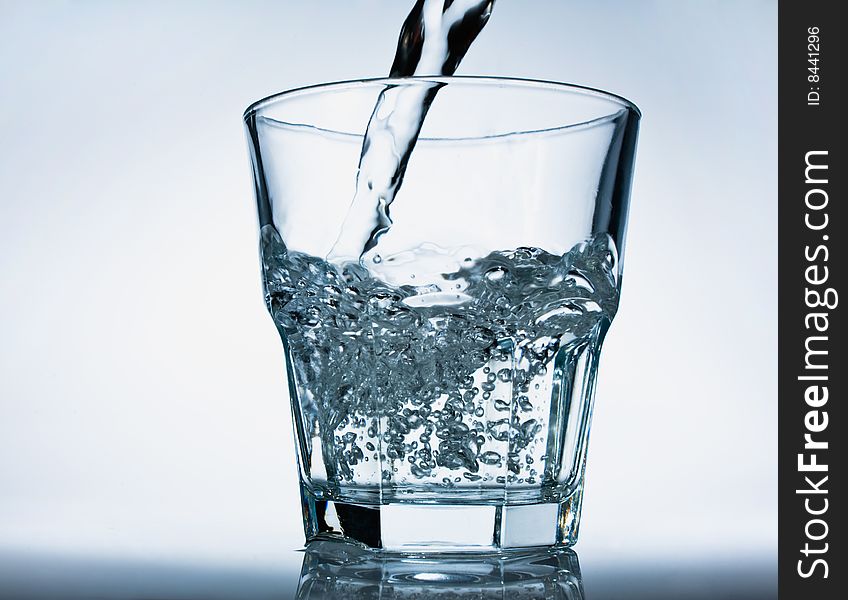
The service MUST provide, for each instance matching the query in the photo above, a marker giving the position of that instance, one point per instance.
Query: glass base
(411, 528)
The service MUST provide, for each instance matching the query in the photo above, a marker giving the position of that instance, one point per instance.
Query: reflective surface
(327, 571)
(334, 571)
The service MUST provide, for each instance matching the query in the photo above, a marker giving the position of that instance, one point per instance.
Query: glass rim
(515, 82)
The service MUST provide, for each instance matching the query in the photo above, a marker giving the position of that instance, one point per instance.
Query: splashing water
(447, 383)
(433, 40)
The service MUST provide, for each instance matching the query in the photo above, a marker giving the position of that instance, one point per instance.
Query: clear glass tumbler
(442, 384)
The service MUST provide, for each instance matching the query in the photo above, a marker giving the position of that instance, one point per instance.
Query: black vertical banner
(813, 115)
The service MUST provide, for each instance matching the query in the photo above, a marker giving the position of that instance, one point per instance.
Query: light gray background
(143, 409)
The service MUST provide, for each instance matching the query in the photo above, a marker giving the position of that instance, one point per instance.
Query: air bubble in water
(425, 384)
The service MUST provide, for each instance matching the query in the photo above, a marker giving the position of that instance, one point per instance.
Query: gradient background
(143, 411)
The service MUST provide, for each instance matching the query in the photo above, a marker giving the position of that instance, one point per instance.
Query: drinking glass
(441, 383)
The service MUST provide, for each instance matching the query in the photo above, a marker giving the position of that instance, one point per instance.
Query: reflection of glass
(334, 571)
(442, 382)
